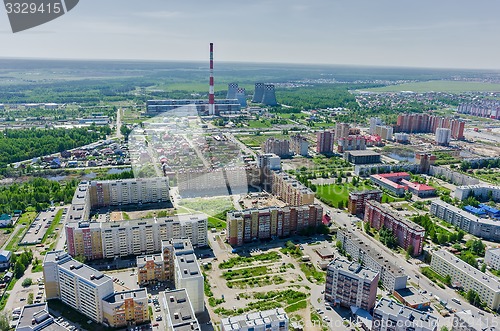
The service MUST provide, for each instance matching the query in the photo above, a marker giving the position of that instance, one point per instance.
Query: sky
(410, 33)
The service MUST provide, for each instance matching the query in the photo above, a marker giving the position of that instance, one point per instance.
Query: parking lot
(39, 227)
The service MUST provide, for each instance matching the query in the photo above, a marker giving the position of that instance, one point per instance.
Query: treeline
(20, 145)
(318, 96)
(37, 193)
(493, 163)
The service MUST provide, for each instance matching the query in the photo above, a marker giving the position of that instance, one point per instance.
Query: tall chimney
(211, 97)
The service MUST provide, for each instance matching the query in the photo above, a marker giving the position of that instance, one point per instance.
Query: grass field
(24, 221)
(439, 86)
(257, 141)
(334, 193)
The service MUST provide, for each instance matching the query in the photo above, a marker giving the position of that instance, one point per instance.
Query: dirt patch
(116, 216)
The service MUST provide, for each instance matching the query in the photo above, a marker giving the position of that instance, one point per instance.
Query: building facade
(479, 191)
(357, 200)
(492, 258)
(76, 284)
(266, 223)
(354, 244)
(291, 190)
(97, 240)
(362, 157)
(467, 277)
(407, 233)
(324, 142)
(481, 227)
(125, 308)
(267, 320)
(349, 284)
(277, 146)
(188, 274)
(299, 145)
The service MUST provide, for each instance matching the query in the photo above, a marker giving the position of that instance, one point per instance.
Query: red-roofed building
(420, 190)
(391, 181)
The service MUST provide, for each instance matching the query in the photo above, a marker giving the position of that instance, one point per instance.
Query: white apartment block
(188, 274)
(393, 316)
(128, 191)
(469, 278)
(267, 320)
(178, 311)
(97, 240)
(481, 227)
(75, 284)
(482, 191)
(492, 258)
(467, 321)
(354, 244)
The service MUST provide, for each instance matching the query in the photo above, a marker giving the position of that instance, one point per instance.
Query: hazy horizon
(448, 34)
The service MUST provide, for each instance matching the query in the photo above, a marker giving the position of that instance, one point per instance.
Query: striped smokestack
(211, 96)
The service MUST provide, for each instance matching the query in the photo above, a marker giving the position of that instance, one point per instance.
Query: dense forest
(37, 193)
(19, 145)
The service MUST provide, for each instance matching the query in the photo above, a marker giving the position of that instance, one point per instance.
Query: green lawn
(258, 140)
(243, 260)
(23, 225)
(246, 272)
(260, 124)
(312, 273)
(334, 193)
(214, 222)
(439, 86)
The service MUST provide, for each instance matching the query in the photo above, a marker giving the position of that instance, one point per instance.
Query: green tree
(447, 280)
(4, 321)
(483, 267)
(27, 282)
(409, 251)
(19, 269)
(340, 204)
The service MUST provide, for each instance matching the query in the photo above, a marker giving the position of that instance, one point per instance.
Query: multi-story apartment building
(482, 108)
(492, 258)
(151, 269)
(76, 284)
(390, 315)
(356, 245)
(349, 284)
(467, 277)
(421, 123)
(36, 317)
(407, 233)
(277, 146)
(269, 161)
(324, 142)
(341, 131)
(291, 190)
(466, 320)
(384, 131)
(357, 200)
(299, 145)
(128, 191)
(124, 308)
(351, 143)
(179, 313)
(188, 274)
(80, 205)
(97, 240)
(481, 227)
(479, 191)
(267, 320)
(374, 122)
(266, 223)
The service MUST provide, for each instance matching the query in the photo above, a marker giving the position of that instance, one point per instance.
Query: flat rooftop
(365, 152)
(258, 319)
(411, 296)
(188, 267)
(138, 294)
(469, 216)
(150, 221)
(69, 265)
(40, 314)
(179, 311)
(353, 268)
(142, 260)
(493, 283)
(409, 224)
(394, 309)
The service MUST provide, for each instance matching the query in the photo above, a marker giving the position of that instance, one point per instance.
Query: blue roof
(5, 256)
(489, 209)
(474, 210)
